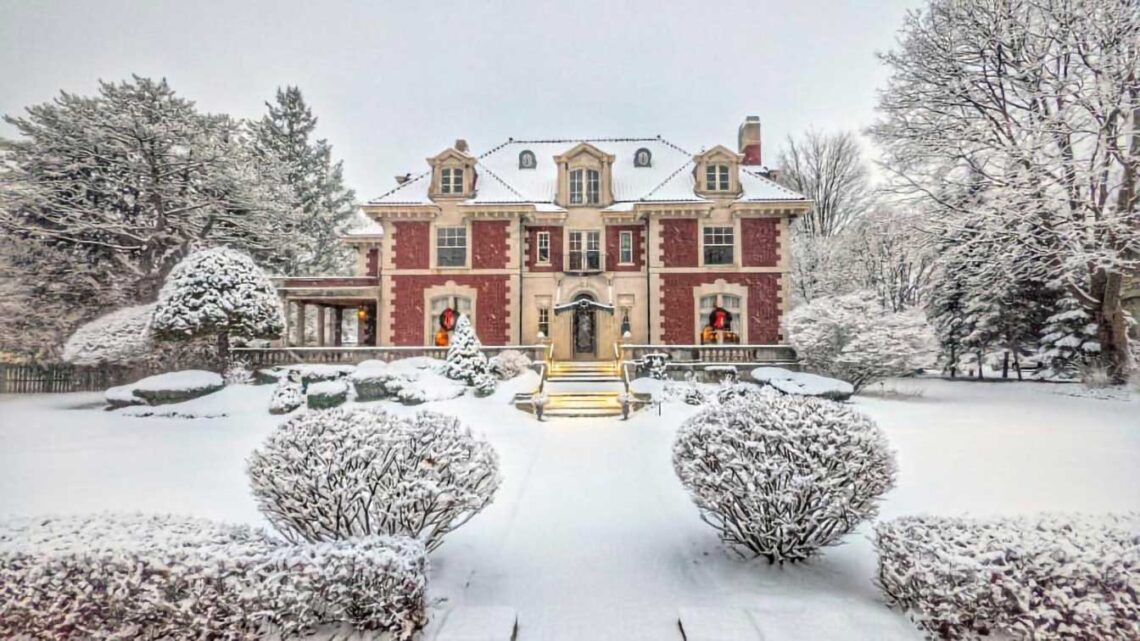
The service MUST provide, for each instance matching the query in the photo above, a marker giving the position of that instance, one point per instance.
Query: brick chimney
(461, 145)
(748, 140)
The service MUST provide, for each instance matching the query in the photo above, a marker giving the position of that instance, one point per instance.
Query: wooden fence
(48, 379)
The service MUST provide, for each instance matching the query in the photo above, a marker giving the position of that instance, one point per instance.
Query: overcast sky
(396, 82)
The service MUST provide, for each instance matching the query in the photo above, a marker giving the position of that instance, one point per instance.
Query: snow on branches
(183, 578)
(219, 292)
(854, 339)
(1041, 577)
(341, 473)
(783, 476)
(118, 338)
(466, 361)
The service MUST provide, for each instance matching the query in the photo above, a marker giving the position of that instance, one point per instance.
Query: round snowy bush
(339, 473)
(415, 386)
(783, 476)
(287, 395)
(326, 394)
(1042, 577)
(238, 372)
(121, 337)
(509, 364)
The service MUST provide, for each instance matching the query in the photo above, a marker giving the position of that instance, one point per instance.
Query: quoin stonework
(581, 242)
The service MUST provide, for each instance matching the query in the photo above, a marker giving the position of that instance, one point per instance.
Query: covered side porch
(327, 311)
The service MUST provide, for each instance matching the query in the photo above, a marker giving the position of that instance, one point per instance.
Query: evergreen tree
(465, 358)
(284, 138)
(1069, 338)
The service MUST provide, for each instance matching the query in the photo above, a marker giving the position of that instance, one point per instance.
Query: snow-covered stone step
(479, 624)
(835, 619)
(718, 624)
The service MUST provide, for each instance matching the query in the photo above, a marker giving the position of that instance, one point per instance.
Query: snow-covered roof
(362, 226)
(668, 178)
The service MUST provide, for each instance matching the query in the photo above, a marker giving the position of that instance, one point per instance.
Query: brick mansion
(579, 242)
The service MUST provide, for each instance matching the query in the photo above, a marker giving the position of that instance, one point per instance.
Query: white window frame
(445, 238)
(717, 177)
(437, 303)
(577, 186)
(451, 180)
(542, 248)
(719, 233)
(544, 320)
(593, 186)
(625, 247)
(734, 303)
(589, 240)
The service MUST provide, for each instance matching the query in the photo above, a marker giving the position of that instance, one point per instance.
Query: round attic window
(642, 158)
(526, 159)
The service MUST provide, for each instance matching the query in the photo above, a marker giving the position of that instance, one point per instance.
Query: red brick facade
(613, 248)
(372, 264)
(760, 242)
(679, 238)
(678, 321)
(411, 244)
(555, 264)
(489, 248)
(491, 306)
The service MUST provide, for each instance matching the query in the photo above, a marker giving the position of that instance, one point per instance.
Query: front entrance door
(584, 340)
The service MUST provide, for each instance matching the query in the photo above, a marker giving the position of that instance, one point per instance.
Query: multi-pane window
(576, 187)
(451, 180)
(543, 250)
(716, 178)
(451, 246)
(593, 182)
(585, 251)
(718, 245)
(544, 321)
(728, 332)
(438, 335)
(625, 248)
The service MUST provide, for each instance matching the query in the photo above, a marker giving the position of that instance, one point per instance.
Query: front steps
(582, 389)
(584, 372)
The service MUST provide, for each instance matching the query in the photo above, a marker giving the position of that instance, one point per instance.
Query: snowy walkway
(591, 536)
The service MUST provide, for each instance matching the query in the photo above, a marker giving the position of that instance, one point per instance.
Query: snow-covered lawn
(591, 535)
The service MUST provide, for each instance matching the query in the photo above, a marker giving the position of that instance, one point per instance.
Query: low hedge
(163, 577)
(1046, 577)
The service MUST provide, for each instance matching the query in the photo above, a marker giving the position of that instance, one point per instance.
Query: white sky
(396, 82)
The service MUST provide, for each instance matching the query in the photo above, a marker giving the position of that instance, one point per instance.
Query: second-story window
(593, 187)
(451, 180)
(625, 248)
(716, 178)
(718, 245)
(451, 246)
(543, 252)
(576, 186)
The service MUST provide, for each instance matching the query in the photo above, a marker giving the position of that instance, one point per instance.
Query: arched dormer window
(527, 159)
(642, 158)
(716, 172)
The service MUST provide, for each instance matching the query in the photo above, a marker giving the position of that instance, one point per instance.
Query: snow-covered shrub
(416, 386)
(1042, 577)
(730, 392)
(317, 372)
(370, 380)
(175, 387)
(152, 577)
(218, 292)
(783, 476)
(1069, 342)
(287, 395)
(416, 363)
(121, 337)
(509, 364)
(722, 373)
(122, 396)
(803, 383)
(238, 372)
(323, 476)
(465, 358)
(854, 339)
(485, 383)
(326, 394)
(657, 365)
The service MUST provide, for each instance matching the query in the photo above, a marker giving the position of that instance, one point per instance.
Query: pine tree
(465, 358)
(1069, 338)
(322, 204)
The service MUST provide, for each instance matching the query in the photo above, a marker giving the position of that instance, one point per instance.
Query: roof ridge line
(399, 186)
(775, 184)
(501, 181)
(667, 179)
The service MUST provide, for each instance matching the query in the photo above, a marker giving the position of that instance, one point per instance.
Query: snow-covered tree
(783, 476)
(342, 473)
(288, 394)
(218, 292)
(322, 205)
(1069, 339)
(119, 338)
(120, 186)
(1036, 102)
(465, 358)
(829, 170)
(854, 339)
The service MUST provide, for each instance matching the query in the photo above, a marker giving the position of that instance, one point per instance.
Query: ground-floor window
(544, 322)
(443, 313)
(719, 319)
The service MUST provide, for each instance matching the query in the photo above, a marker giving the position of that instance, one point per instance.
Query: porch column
(285, 332)
(321, 310)
(338, 323)
(300, 323)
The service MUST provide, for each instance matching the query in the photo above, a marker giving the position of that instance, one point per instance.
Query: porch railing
(715, 354)
(269, 356)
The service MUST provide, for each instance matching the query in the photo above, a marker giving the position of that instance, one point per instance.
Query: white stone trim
(450, 288)
(720, 286)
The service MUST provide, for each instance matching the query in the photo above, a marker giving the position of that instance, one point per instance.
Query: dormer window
(451, 180)
(585, 186)
(642, 158)
(527, 159)
(716, 178)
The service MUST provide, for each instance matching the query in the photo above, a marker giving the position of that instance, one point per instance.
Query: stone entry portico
(333, 301)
